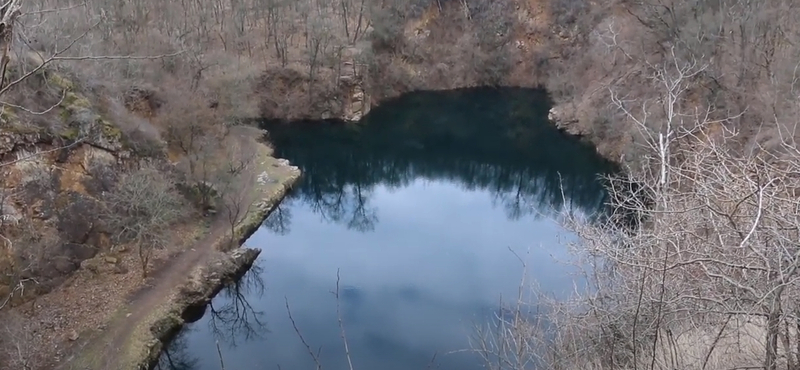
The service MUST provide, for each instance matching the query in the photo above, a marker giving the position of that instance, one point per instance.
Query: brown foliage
(288, 93)
(748, 49)
(142, 209)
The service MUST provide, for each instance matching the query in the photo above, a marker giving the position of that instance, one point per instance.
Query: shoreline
(213, 276)
(153, 331)
(143, 323)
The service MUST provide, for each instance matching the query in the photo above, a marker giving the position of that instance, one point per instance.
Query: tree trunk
(773, 329)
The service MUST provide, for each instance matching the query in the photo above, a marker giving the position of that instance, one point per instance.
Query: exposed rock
(12, 139)
(73, 336)
(93, 155)
(84, 123)
(143, 100)
(564, 118)
(77, 218)
(9, 215)
(357, 106)
(103, 265)
(90, 265)
(264, 179)
(120, 248)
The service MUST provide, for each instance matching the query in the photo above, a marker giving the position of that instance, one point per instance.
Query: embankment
(209, 279)
(139, 328)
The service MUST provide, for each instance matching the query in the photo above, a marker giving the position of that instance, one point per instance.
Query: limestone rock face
(11, 140)
(357, 106)
(47, 188)
(564, 117)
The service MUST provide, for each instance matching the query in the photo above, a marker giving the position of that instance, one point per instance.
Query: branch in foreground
(315, 357)
(76, 142)
(341, 324)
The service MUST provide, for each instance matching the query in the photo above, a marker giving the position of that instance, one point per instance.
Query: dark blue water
(418, 209)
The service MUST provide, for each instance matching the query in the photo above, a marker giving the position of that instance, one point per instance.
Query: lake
(421, 212)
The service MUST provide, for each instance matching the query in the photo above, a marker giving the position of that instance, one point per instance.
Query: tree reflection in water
(177, 356)
(280, 220)
(484, 139)
(231, 318)
(495, 141)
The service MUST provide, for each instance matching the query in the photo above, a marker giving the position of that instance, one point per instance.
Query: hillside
(116, 118)
(103, 189)
(97, 208)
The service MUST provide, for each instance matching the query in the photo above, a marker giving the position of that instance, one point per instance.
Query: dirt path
(106, 350)
(114, 339)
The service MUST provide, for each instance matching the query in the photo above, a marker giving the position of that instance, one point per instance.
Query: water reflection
(496, 142)
(231, 319)
(177, 355)
(418, 207)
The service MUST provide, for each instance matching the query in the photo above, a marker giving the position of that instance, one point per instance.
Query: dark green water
(416, 207)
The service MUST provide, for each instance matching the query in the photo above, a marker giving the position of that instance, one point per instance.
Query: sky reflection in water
(417, 209)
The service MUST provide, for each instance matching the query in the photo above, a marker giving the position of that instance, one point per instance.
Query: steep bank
(610, 67)
(409, 48)
(105, 211)
(452, 45)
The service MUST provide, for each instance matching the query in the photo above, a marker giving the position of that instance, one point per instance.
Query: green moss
(71, 133)
(109, 130)
(73, 100)
(71, 104)
(60, 81)
(10, 123)
(22, 129)
(65, 115)
(7, 115)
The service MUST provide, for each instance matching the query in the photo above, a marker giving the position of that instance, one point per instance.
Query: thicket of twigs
(707, 275)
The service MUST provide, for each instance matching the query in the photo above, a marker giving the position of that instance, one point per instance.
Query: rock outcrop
(49, 191)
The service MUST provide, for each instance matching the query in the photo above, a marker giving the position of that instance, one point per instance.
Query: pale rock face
(553, 114)
(6, 144)
(9, 214)
(264, 179)
(357, 109)
(11, 140)
(356, 104)
(564, 117)
(94, 155)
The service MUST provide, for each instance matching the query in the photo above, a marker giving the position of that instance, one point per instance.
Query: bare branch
(296, 330)
(341, 324)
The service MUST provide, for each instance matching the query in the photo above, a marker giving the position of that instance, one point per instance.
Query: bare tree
(238, 318)
(697, 265)
(236, 200)
(142, 209)
(205, 170)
